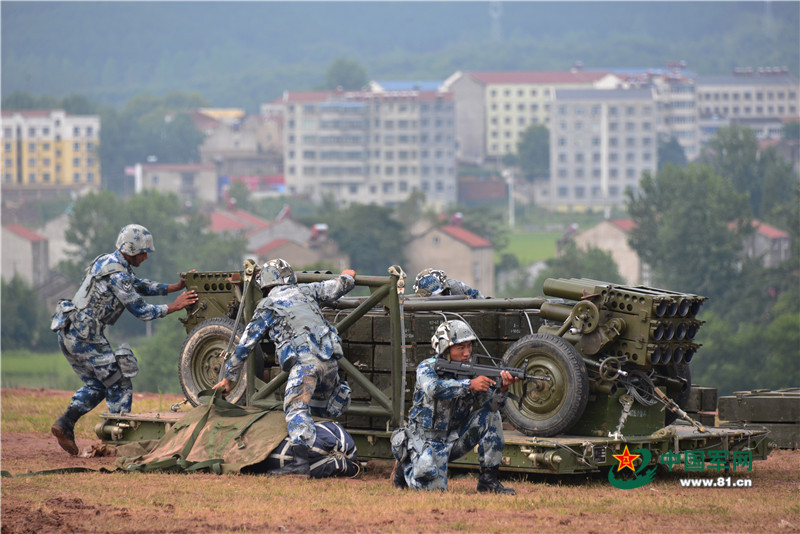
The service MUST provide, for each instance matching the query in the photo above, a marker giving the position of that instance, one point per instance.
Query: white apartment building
(748, 96)
(674, 91)
(370, 147)
(600, 143)
(493, 109)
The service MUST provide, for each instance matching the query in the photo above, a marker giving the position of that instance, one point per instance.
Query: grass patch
(531, 247)
(25, 369)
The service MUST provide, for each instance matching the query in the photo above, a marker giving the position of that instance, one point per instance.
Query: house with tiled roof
(461, 254)
(611, 236)
(191, 182)
(768, 244)
(25, 253)
(493, 109)
(280, 238)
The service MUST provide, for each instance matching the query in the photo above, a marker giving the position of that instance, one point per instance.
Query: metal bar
(412, 304)
(363, 308)
(270, 387)
(366, 383)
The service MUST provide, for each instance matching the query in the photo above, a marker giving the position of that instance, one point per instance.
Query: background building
(494, 108)
(48, 150)
(600, 143)
(754, 97)
(458, 252)
(370, 146)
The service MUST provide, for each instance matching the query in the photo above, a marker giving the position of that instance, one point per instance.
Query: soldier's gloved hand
(351, 272)
(481, 383)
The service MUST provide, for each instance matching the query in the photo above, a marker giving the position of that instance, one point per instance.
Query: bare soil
(131, 503)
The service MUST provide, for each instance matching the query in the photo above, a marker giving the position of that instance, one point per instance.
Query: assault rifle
(470, 369)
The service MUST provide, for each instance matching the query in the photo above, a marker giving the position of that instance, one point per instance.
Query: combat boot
(64, 430)
(299, 464)
(398, 477)
(488, 483)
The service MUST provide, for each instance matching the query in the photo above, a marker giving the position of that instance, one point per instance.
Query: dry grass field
(151, 503)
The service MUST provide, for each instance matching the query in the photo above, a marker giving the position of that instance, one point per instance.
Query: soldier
(108, 288)
(307, 346)
(435, 282)
(449, 417)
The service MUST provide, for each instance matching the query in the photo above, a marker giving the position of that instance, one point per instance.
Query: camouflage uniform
(433, 282)
(109, 287)
(307, 346)
(454, 287)
(446, 421)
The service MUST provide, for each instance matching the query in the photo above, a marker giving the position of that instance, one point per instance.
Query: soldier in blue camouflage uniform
(433, 282)
(108, 288)
(449, 417)
(308, 347)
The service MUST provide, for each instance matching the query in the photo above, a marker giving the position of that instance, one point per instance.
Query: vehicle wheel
(548, 408)
(680, 396)
(201, 360)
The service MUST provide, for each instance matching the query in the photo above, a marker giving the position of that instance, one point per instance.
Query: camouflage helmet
(135, 239)
(451, 333)
(276, 272)
(430, 282)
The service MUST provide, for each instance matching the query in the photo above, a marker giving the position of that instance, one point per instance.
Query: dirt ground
(178, 503)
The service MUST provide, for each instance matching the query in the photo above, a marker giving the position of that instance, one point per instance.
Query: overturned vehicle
(608, 366)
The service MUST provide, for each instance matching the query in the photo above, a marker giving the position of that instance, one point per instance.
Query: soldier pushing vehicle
(108, 288)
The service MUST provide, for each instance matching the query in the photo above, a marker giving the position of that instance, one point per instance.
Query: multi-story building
(49, 149)
(748, 96)
(674, 91)
(493, 109)
(370, 146)
(240, 145)
(600, 143)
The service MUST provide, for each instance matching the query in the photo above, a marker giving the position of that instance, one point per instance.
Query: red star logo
(626, 459)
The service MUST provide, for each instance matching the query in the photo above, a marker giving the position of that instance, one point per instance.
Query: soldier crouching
(445, 421)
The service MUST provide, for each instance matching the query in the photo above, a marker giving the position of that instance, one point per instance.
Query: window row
(631, 173)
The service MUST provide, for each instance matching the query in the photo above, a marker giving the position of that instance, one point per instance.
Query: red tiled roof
(465, 236)
(763, 229)
(306, 96)
(222, 222)
(538, 76)
(230, 220)
(251, 219)
(24, 233)
(769, 231)
(272, 245)
(29, 113)
(626, 225)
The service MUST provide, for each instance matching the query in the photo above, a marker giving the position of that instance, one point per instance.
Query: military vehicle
(610, 358)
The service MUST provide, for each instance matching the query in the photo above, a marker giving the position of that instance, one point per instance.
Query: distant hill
(246, 53)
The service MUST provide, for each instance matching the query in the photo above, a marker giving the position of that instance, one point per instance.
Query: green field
(532, 247)
(49, 370)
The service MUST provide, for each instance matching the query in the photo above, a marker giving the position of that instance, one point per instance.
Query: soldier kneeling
(445, 421)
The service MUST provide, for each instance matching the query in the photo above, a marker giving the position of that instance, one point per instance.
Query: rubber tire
(199, 362)
(564, 399)
(681, 398)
